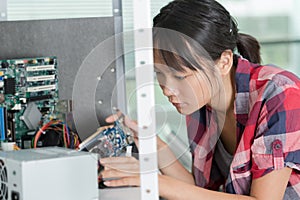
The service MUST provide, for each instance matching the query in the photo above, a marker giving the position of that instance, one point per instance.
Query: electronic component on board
(28, 96)
(109, 142)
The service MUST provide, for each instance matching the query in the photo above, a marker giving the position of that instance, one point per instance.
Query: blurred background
(275, 23)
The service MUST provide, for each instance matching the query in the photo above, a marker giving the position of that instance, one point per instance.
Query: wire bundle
(69, 138)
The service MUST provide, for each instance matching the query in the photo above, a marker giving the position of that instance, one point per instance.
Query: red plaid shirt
(267, 112)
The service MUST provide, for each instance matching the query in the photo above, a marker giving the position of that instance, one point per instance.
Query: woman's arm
(169, 164)
(177, 183)
(269, 187)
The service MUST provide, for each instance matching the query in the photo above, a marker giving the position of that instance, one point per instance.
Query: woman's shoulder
(268, 81)
(266, 73)
(272, 73)
(270, 78)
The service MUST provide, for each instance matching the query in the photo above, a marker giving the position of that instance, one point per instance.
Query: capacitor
(2, 98)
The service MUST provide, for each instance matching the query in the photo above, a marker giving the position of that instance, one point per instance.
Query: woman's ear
(225, 62)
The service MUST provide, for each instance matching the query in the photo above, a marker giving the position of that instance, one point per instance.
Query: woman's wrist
(163, 186)
(169, 187)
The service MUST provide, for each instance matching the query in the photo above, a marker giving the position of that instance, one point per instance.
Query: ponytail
(248, 47)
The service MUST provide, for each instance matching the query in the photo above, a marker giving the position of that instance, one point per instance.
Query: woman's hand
(132, 125)
(120, 171)
(124, 171)
(167, 161)
(129, 124)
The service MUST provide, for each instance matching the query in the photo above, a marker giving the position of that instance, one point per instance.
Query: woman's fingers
(114, 117)
(122, 164)
(102, 128)
(120, 171)
(126, 181)
(120, 160)
(126, 167)
(110, 173)
(130, 124)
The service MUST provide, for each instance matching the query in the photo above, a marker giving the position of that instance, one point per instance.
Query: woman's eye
(180, 77)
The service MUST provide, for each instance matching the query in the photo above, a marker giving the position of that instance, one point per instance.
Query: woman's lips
(179, 105)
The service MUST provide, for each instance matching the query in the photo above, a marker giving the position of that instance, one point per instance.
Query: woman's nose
(167, 91)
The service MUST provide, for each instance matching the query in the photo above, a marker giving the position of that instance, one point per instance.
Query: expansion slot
(40, 78)
(39, 98)
(40, 68)
(41, 88)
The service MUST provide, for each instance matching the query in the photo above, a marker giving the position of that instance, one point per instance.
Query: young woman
(242, 117)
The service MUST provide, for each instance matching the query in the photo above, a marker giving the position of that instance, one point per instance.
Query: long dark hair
(207, 23)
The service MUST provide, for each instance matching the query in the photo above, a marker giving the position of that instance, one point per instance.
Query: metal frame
(119, 50)
(145, 99)
(3, 10)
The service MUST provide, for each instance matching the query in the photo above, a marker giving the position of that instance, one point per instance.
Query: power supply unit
(49, 173)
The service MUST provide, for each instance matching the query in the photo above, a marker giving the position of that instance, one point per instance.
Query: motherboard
(28, 96)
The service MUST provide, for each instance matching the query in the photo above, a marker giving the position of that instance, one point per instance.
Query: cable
(67, 136)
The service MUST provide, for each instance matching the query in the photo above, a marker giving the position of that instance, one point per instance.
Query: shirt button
(278, 146)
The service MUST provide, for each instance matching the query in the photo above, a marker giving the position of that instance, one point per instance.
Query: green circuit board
(28, 96)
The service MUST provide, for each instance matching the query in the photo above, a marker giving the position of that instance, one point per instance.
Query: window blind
(54, 9)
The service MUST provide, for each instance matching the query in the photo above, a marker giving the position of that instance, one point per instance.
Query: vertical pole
(119, 49)
(145, 99)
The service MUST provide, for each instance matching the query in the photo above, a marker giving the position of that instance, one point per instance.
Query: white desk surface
(120, 193)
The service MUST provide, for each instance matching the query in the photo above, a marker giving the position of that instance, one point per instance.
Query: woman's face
(188, 91)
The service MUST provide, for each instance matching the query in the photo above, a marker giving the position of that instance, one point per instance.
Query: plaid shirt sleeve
(267, 109)
(277, 136)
